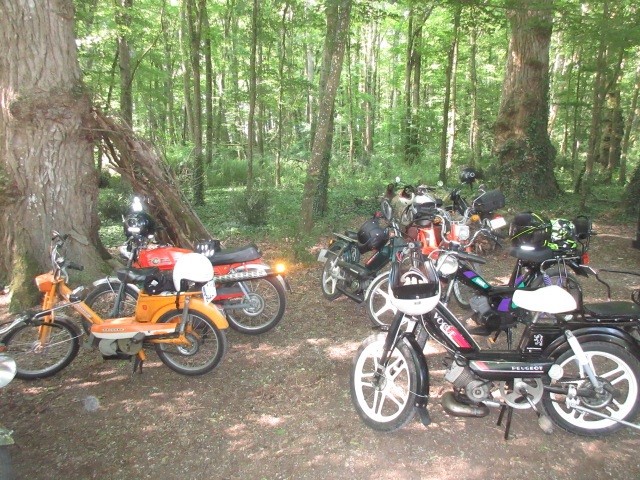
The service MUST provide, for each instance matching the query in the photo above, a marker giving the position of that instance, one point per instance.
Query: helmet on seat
(414, 290)
(191, 267)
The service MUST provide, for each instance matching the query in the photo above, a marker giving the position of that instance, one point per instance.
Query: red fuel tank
(163, 257)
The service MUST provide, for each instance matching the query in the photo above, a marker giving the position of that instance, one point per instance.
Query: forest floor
(278, 407)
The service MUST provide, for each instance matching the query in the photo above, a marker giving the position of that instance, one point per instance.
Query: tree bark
(522, 145)
(47, 178)
(338, 16)
(123, 20)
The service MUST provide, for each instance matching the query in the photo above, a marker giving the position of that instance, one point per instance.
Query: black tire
(207, 348)
(36, 361)
(332, 276)
(618, 368)
(379, 308)
(102, 299)
(388, 404)
(267, 300)
(6, 465)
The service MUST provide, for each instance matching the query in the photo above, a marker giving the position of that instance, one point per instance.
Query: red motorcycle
(250, 292)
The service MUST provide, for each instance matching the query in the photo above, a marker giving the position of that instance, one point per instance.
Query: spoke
(378, 401)
(395, 369)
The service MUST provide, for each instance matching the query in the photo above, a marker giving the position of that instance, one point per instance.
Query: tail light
(585, 258)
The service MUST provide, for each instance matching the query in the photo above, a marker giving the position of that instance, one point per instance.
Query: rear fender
(268, 272)
(196, 305)
(115, 283)
(595, 334)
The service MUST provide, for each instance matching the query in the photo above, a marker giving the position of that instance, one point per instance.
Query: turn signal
(280, 268)
(475, 218)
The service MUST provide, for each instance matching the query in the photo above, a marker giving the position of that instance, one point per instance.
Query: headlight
(446, 264)
(462, 232)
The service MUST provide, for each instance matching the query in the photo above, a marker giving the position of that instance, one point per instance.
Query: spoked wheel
(205, 348)
(379, 308)
(384, 397)
(41, 350)
(260, 308)
(332, 276)
(616, 369)
(102, 300)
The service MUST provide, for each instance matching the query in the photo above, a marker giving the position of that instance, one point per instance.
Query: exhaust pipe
(454, 407)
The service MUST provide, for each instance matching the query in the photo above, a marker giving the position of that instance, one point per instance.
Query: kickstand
(507, 427)
(137, 364)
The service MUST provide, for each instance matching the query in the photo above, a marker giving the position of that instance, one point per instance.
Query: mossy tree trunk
(47, 178)
(525, 154)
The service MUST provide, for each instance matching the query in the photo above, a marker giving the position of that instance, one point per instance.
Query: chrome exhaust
(454, 407)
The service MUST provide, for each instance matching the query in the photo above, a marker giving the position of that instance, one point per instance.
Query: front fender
(595, 334)
(422, 370)
(198, 305)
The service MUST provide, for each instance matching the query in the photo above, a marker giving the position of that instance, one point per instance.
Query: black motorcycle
(585, 381)
(347, 269)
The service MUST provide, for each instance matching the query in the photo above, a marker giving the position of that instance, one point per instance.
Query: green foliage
(113, 202)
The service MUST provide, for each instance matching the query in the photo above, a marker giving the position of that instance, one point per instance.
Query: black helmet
(139, 223)
(469, 175)
(371, 236)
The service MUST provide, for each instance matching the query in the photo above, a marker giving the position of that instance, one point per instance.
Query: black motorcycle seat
(235, 255)
(613, 309)
(537, 255)
(135, 275)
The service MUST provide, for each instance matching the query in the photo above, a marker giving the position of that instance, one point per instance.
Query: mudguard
(197, 305)
(593, 334)
(268, 272)
(114, 282)
(422, 370)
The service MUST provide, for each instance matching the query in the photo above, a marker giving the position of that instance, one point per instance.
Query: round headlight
(463, 232)
(446, 264)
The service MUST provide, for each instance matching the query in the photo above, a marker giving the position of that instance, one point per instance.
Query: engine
(122, 348)
(462, 378)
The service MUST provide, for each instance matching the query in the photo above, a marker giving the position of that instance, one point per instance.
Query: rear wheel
(205, 348)
(103, 298)
(619, 372)
(40, 349)
(384, 397)
(260, 308)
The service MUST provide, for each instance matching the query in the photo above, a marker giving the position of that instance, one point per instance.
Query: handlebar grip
(75, 266)
(471, 257)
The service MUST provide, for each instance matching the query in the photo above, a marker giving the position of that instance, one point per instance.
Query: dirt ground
(278, 407)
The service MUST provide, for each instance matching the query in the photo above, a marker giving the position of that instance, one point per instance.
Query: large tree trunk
(47, 179)
(526, 156)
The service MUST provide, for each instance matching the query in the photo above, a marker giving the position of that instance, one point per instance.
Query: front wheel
(41, 349)
(380, 310)
(205, 348)
(260, 308)
(332, 277)
(616, 369)
(384, 397)
(463, 292)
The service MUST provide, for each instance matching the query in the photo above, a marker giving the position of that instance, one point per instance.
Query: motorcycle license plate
(497, 223)
(209, 291)
(322, 256)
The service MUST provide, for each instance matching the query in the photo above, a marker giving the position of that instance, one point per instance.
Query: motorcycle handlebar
(469, 256)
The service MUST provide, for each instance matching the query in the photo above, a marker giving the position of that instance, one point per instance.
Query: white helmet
(414, 291)
(194, 267)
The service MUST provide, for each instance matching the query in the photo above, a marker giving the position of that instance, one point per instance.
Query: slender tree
(316, 183)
